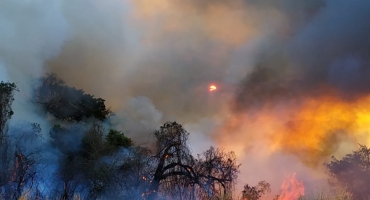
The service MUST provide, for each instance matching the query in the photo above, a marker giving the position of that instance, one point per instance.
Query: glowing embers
(212, 88)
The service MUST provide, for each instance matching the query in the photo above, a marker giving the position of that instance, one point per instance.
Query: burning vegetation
(93, 163)
(273, 99)
(96, 164)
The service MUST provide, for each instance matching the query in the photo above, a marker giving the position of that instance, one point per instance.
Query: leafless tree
(177, 174)
(20, 173)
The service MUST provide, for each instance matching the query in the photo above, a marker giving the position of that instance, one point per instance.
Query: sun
(212, 88)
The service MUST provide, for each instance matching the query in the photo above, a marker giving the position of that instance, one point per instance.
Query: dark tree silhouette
(96, 164)
(117, 139)
(18, 163)
(68, 103)
(89, 164)
(179, 175)
(352, 172)
(255, 192)
(6, 100)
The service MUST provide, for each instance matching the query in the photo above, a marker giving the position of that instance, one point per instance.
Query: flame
(311, 128)
(291, 188)
(322, 123)
(212, 88)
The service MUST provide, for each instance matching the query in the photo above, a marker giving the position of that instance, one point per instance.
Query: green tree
(116, 139)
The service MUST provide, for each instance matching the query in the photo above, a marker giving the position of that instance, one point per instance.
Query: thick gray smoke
(153, 61)
(328, 49)
(32, 33)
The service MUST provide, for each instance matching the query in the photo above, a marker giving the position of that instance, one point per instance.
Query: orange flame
(312, 128)
(291, 188)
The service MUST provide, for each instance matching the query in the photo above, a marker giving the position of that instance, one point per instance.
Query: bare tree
(20, 172)
(216, 173)
(177, 173)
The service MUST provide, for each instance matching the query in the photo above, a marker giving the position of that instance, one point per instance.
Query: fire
(291, 189)
(311, 128)
(212, 88)
(322, 123)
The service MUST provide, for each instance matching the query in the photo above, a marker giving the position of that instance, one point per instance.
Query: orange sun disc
(212, 88)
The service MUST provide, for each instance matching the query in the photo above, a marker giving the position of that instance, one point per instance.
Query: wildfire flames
(291, 188)
(313, 128)
(323, 122)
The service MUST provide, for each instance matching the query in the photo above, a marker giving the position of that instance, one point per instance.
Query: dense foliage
(68, 103)
(78, 158)
(352, 172)
(6, 100)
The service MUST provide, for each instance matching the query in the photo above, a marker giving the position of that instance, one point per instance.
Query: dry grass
(332, 195)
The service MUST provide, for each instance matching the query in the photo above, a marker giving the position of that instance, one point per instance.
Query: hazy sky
(292, 76)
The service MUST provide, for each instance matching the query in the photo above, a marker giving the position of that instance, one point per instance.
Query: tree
(176, 173)
(68, 103)
(352, 172)
(216, 174)
(91, 163)
(255, 192)
(19, 162)
(132, 177)
(77, 159)
(6, 100)
(117, 139)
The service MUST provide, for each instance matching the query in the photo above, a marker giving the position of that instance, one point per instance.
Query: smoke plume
(292, 76)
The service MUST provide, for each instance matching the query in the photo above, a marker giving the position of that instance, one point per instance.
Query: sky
(292, 76)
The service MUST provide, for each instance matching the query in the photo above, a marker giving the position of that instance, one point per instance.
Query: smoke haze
(292, 76)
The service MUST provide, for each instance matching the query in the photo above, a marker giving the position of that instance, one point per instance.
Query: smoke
(324, 55)
(139, 118)
(306, 92)
(292, 75)
(168, 51)
(32, 32)
(3, 73)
